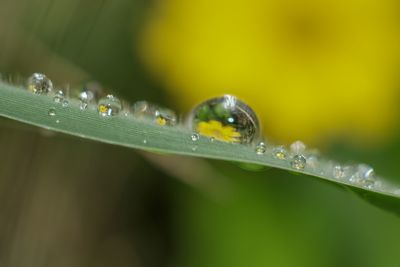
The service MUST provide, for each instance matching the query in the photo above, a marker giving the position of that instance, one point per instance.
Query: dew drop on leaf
(297, 147)
(313, 161)
(83, 105)
(364, 176)
(261, 148)
(338, 172)
(298, 162)
(91, 93)
(59, 96)
(65, 103)
(109, 106)
(38, 83)
(279, 152)
(52, 112)
(195, 137)
(226, 119)
(152, 112)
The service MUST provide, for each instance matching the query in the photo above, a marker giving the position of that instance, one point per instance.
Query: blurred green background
(66, 201)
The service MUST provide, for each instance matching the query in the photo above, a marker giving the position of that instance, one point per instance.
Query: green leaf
(22, 105)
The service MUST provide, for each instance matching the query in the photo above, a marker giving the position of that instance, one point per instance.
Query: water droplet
(163, 118)
(65, 103)
(368, 183)
(298, 162)
(195, 137)
(83, 105)
(279, 152)
(364, 176)
(91, 93)
(226, 119)
(297, 147)
(38, 83)
(59, 96)
(52, 112)
(148, 111)
(194, 148)
(109, 106)
(144, 141)
(125, 108)
(57, 121)
(313, 161)
(338, 172)
(261, 148)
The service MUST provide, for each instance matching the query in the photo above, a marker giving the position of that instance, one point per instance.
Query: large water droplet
(148, 111)
(38, 83)
(225, 119)
(109, 106)
(261, 148)
(298, 162)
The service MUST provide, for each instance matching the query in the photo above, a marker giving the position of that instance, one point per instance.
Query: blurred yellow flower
(311, 69)
(216, 130)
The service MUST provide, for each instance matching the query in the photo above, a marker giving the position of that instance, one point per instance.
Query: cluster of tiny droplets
(299, 158)
(296, 156)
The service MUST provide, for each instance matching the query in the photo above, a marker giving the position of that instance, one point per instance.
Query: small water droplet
(364, 176)
(125, 108)
(226, 119)
(338, 172)
(52, 112)
(91, 93)
(298, 162)
(59, 96)
(195, 137)
(83, 105)
(212, 139)
(279, 152)
(38, 83)
(261, 148)
(148, 111)
(368, 183)
(194, 148)
(109, 106)
(297, 147)
(313, 161)
(144, 141)
(65, 103)
(57, 121)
